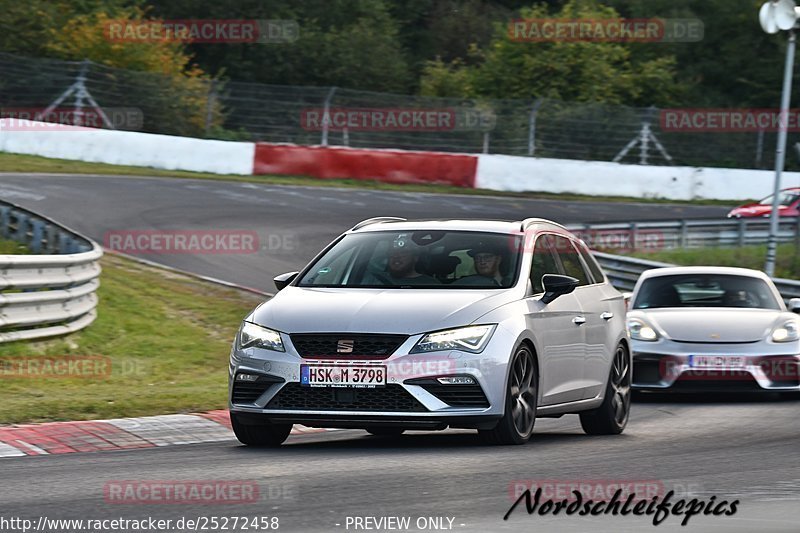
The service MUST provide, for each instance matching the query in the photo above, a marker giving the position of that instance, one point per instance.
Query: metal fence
(234, 110)
(52, 290)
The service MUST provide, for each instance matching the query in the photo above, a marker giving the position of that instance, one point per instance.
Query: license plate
(716, 361)
(342, 376)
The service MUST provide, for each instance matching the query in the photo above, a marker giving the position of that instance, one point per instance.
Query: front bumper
(412, 398)
(665, 366)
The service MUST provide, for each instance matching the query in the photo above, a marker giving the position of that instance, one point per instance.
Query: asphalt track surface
(292, 223)
(744, 448)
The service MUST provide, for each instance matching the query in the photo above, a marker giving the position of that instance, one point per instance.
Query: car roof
(730, 271)
(492, 226)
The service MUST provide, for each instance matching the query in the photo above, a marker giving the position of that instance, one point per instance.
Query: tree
(580, 71)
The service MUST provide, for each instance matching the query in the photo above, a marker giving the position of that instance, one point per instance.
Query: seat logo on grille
(345, 346)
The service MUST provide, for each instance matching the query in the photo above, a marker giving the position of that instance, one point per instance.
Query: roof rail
(528, 221)
(376, 220)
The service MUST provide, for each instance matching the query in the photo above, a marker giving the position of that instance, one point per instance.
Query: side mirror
(626, 297)
(284, 279)
(794, 305)
(556, 285)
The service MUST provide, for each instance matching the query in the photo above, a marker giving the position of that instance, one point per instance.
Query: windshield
(785, 198)
(418, 259)
(705, 290)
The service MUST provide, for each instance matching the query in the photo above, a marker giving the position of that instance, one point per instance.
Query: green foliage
(566, 70)
(455, 48)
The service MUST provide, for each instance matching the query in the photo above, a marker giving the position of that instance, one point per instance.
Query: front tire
(264, 435)
(516, 426)
(612, 415)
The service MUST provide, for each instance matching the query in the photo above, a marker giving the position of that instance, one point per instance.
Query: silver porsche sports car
(712, 328)
(402, 325)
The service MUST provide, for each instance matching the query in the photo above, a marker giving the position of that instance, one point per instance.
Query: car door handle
(578, 320)
(606, 315)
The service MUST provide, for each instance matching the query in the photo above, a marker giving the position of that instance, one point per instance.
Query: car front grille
(392, 398)
(346, 345)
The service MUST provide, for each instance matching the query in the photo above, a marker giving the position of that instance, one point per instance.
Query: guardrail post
(52, 239)
(684, 239)
(742, 232)
(64, 243)
(37, 236)
(634, 236)
(22, 228)
(5, 221)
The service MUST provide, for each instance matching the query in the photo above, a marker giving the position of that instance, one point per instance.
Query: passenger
(488, 258)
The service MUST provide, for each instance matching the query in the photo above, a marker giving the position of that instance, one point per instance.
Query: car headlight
(252, 335)
(469, 339)
(641, 331)
(787, 332)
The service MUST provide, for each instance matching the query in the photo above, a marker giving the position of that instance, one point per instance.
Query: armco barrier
(389, 166)
(51, 291)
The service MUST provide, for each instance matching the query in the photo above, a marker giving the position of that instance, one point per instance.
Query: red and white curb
(120, 434)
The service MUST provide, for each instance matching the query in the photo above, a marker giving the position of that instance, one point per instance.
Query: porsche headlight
(787, 332)
(252, 335)
(641, 331)
(469, 339)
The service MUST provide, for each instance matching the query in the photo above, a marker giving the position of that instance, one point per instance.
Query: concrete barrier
(513, 173)
(129, 148)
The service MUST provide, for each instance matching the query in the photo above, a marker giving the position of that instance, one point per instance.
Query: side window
(570, 260)
(597, 272)
(544, 262)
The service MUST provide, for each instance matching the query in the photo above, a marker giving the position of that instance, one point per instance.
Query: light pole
(779, 15)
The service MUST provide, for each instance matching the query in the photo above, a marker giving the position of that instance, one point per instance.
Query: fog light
(456, 380)
(246, 377)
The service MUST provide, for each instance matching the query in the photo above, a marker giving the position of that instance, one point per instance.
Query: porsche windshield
(705, 290)
(418, 259)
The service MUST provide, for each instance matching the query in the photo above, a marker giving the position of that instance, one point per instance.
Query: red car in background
(789, 206)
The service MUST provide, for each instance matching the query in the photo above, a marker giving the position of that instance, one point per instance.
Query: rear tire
(264, 435)
(612, 415)
(516, 426)
(385, 432)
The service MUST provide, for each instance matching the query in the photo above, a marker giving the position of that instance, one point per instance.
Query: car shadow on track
(444, 442)
(716, 397)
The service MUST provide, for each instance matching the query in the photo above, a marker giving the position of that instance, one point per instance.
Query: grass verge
(786, 266)
(12, 248)
(30, 163)
(166, 337)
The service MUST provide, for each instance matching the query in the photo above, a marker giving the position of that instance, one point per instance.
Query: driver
(401, 268)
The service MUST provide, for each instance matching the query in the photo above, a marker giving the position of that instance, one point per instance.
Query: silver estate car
(402, 325)
(712, 328)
